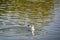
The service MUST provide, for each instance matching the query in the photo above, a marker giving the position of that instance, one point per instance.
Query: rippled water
(13, 23)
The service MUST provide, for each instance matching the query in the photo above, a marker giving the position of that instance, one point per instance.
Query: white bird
(31, 28)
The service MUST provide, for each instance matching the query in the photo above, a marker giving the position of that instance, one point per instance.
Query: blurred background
(15, 15)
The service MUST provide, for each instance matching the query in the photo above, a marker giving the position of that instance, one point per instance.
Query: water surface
(16, 15)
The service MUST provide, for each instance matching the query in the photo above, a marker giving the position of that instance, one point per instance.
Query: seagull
(31, 28)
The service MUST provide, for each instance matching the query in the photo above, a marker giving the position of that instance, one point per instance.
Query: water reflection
(17, 14)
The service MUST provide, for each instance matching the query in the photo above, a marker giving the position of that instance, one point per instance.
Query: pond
(16, 15)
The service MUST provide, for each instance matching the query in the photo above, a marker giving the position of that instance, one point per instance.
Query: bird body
(31, 28)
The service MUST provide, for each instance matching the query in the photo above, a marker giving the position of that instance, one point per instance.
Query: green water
(17, 14)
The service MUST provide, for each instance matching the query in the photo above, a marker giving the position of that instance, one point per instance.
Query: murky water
(14, 17)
